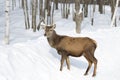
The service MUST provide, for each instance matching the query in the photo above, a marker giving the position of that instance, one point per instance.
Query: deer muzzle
(45, 34)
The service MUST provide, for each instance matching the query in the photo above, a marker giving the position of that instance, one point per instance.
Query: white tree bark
(26, 15)
(113, 19)
(34, 6)
(7, 28)
(13, 3)
(78, 16)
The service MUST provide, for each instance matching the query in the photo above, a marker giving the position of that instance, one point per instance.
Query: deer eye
(51, 30)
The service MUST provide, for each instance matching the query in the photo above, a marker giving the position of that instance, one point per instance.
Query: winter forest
(27, 51)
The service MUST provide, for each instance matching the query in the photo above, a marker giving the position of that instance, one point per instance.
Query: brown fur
(72, 46)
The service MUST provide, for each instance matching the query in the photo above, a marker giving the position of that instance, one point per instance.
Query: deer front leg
(62, 61)
(68, 62)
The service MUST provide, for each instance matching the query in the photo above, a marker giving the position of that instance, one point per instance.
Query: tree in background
(41, 10)
(41, 13)
(34, 12)
(26, 15)
(114, 13)
(93, 11)
(100, 3)
(65, 8)
(112, 5)
(85, 7)
(78, 16)
(7, 24)
(56, 4)
(13, 4)
(48, 6)
(49, 10)
(48, 13)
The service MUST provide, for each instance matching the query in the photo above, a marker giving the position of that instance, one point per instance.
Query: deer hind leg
(95, 66)
(93, 60)
(89, 66)
(92, 50)
(68, 62)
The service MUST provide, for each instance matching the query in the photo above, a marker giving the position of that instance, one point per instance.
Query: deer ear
(54, 26)
(43, 26)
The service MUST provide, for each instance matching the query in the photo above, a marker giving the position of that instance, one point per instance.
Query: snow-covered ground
(29, 56)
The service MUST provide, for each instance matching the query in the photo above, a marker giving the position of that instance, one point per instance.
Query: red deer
(72, 46)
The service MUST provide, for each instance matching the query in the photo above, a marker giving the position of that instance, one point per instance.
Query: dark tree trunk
(85, 7)
(100, 2)
(56, 4)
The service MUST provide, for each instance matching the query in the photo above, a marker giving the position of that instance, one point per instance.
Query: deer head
(49, 29)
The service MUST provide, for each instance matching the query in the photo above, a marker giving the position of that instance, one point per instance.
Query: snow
(29, 56)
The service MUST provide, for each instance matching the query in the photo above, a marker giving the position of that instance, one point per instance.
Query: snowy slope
(36, 60)
(29, 56)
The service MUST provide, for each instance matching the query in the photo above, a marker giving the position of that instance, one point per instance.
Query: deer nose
(45, 34)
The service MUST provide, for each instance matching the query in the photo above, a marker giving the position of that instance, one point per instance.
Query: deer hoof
(93, 75)
(86, 74)
(60, 69)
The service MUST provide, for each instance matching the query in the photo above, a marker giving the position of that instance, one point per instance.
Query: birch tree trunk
(65, 10)
(41, 13)
(7, 28)
(26, 15)
(77, 5)
(92, 20)
(113, 18)
(49, 12)
(52, 12)
(34, 7)
(56, 4)
(41, 8)
(19, 3)
(22, 3)
(31, 7)
(85, 6)
(78, 16)
(112, 5)
(13, 3)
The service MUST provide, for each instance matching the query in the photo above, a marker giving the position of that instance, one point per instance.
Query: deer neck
(52, 39)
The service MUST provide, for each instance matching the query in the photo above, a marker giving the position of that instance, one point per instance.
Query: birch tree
(113, 18)
(85, 7)
(34, 11)
(112, 5)
(40, 8)
(41, 13)
(13, 4)
(78, 16)
(56, 4)
(92, 14)
(26, 15)
(49, 11)
(65, 8)
(19, 3)
(7, 30)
